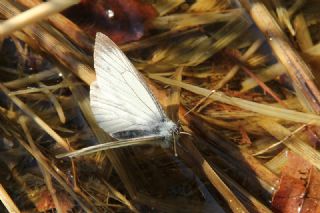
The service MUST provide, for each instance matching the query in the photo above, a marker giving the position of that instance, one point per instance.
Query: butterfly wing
(119, 98)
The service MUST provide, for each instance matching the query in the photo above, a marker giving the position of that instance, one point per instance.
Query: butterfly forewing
(119, 98)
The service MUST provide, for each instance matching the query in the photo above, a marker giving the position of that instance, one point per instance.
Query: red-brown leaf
(291, 193)
(311, 202)
(127, 24)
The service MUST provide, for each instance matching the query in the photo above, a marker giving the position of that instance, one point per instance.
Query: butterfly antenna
(200, 102)
(186, 133)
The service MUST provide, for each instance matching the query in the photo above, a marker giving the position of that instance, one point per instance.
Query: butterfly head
(170, 131)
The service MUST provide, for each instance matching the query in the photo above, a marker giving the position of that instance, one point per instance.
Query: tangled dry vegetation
(240, 77)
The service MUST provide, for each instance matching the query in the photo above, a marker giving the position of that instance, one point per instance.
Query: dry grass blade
(47, 178)
(263, 109)
(291, 141)
(192, 51)
(265, 88)
(43, 89)
(36, 119)
(22, 82)
(297, 69)
(233, 71)
(54, 172)
(164, 7)
(55, 103)
(216, 181)
(185, 20)
(244, 196)
(264, 75)
(277, 162)
(44, 161)
(154, 40)
(60, 49)
(302, 33)
(282, 141)
(283, 16)
(204, 5)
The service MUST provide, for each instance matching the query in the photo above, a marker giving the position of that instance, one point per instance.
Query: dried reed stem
(7, 201)
(34, 15)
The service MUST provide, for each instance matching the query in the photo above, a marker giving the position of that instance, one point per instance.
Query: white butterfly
(121, 102)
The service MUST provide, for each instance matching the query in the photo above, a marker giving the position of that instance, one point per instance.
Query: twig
(264, 86)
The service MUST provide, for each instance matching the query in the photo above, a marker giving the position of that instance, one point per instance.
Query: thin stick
(34, 14)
